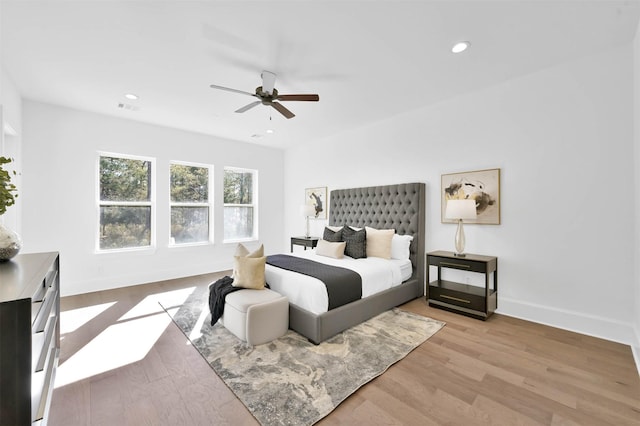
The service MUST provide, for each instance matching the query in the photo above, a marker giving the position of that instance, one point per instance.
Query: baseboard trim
(72, 288)
(590, 325)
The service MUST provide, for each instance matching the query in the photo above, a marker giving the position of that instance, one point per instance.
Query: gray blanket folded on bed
(343, 285)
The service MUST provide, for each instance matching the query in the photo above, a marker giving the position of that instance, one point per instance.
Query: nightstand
(473, 301)
(310, 242)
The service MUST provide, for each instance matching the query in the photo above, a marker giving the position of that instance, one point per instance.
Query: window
(189, 203)
(125, 202)
(240, 188)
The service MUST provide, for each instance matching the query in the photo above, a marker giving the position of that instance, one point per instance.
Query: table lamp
(307, 210)
(459, 210)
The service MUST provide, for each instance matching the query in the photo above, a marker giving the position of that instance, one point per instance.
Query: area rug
(291, 381)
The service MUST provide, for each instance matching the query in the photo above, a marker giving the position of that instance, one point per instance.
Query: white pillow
(334, 228)
(379, 242)
(329, 249)
(400, 246)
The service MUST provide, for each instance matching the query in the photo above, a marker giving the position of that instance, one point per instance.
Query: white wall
(60, 148)
(10, 142)
(563, 139)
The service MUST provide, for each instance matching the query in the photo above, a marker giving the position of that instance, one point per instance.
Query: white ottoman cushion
(256, 316)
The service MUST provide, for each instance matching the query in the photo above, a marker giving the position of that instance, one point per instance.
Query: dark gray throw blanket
(343, 285)
(217, 292)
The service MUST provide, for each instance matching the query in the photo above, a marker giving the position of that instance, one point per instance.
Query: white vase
(10, 243)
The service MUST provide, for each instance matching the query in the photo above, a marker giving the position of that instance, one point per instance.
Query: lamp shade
(460, 209)
(307, 210)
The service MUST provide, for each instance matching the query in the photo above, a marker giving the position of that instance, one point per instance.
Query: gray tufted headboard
(401, 207)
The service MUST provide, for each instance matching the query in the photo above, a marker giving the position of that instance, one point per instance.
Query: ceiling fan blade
(282, 110)
(268, 81)
(213, 86)
(312, 98)
(248, 107)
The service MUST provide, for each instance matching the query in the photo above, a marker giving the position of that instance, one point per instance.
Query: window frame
(254, 204)
(209, 204)
(151, 203)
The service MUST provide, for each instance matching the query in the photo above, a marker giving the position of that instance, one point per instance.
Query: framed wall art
(483, 186)
(317, 197)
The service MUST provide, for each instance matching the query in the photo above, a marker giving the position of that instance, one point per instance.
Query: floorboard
(124, 362)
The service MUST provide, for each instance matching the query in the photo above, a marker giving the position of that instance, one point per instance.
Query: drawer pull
(455, 298)
(455, 265)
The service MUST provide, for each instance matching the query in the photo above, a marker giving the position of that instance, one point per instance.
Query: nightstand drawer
(462, 264)
(459, 295)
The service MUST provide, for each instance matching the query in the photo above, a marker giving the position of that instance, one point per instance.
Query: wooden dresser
(29, 336)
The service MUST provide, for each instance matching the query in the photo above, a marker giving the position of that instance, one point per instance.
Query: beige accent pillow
(329, 249)
(248, 272)
(242, 251)
(379, 242)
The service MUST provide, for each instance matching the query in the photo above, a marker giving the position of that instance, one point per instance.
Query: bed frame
(401, 207)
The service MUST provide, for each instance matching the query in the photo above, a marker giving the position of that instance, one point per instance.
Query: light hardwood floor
(123, 362)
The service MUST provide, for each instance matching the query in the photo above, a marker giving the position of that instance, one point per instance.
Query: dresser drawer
(40, 311)
(41, 343)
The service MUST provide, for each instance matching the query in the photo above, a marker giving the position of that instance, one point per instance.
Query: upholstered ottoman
(256, 316)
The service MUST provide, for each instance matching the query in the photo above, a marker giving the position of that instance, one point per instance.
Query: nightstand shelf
(474, 301)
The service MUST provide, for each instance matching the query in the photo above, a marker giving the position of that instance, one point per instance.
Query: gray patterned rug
(291, 381)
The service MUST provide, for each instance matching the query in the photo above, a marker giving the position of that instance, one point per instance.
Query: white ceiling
(368, 60)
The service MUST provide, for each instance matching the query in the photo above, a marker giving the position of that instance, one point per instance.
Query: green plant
(8, 191)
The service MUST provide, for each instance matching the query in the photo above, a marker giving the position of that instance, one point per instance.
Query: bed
(401, 207)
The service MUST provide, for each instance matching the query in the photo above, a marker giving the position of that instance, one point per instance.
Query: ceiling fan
(268, 95)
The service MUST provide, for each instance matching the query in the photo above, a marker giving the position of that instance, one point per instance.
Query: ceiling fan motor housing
(265, 97)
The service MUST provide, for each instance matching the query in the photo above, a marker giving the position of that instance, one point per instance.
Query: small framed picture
(317, 197)
(483, 186)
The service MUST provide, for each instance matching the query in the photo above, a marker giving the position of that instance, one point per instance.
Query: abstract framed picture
(317, 197)
(483, 186)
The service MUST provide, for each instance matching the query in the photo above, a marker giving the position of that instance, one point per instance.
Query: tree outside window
(189, 204)
(125, 202)
(239, 204)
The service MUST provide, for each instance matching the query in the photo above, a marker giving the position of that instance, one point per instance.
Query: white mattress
(311, 294)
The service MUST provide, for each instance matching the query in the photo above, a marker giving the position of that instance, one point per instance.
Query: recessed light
(270, 131)
(131, 96)
(460, 46)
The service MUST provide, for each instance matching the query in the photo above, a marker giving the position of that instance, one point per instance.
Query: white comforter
(311, 294)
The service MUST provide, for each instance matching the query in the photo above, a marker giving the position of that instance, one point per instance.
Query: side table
(310, 242)
(473, 301)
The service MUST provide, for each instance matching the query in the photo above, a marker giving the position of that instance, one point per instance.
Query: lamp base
(460, 254)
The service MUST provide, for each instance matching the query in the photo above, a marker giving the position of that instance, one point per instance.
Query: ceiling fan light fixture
(460, 46)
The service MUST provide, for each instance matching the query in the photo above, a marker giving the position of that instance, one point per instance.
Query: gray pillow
(356, 242)
(332, 236)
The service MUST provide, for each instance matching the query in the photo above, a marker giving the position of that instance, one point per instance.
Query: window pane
(238, 187)
(124, 179)
(189, 224)
(238, 222)
(125, 227)
(189, 184)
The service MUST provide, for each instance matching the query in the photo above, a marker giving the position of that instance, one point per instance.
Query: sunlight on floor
(71, 320)
(127, 341)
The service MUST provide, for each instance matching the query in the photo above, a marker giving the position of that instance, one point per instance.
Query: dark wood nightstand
(310, 242)
(469, 300)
